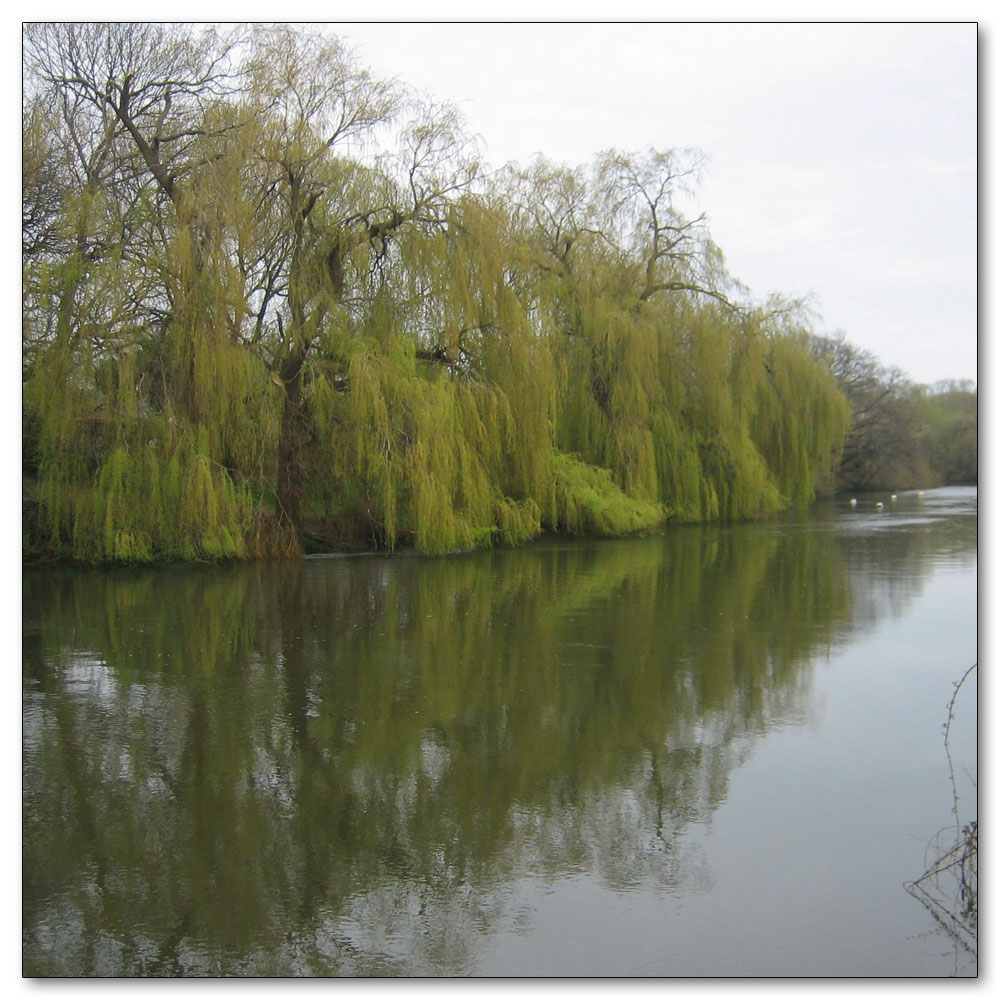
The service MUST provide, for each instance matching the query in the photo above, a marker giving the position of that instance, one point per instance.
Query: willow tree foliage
(272, 301)
(688, 397)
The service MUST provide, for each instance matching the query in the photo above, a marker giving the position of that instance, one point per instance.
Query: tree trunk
(291, 443)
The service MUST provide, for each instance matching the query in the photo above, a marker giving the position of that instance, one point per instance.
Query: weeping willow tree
(149, 420)
(428, 432)
(271, 301)
(691, 399)
(800, 419)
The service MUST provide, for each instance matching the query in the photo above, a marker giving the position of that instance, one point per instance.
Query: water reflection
(343, 766)
(890, 555)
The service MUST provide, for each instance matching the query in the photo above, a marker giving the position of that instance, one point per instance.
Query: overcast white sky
(841, 157)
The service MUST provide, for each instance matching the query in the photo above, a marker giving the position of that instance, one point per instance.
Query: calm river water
(718, 752)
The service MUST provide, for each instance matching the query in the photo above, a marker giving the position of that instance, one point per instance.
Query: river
(715, 752)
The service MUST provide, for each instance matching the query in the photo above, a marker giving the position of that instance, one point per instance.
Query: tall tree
(884, 449)
(269, 297)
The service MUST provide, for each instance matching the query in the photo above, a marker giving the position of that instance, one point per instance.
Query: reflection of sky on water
(85, 676)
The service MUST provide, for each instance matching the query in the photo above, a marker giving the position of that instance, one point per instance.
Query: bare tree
(639, 197)
(153, 79)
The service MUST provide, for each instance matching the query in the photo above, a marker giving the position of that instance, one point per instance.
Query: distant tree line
(271, 302)
(902, 435)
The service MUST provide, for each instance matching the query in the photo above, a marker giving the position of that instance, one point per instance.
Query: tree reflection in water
(344, 765)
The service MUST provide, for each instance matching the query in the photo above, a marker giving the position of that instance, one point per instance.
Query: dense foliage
(271, 302)
(902, 435)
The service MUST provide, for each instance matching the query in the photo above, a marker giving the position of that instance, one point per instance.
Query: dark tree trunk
(291, 443)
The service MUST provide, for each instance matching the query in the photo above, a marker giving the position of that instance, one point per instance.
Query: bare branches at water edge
(949, 888)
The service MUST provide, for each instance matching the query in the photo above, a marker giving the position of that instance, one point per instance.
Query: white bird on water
(879, 505)
(854, 502)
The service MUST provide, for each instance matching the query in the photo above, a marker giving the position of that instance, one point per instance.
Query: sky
(841, 158)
